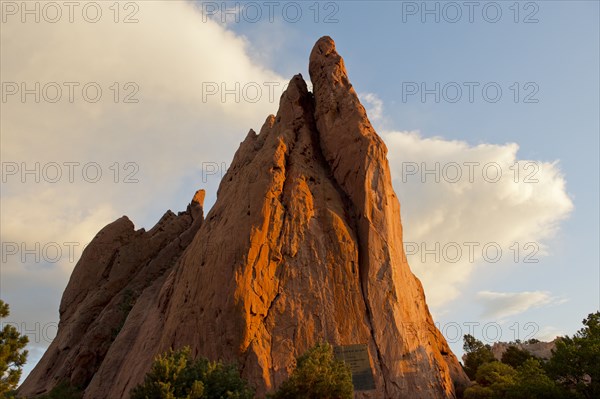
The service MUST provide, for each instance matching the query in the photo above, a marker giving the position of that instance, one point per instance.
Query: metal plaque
(357, 358)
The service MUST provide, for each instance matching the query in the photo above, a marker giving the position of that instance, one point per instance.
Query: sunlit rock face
(303, 245)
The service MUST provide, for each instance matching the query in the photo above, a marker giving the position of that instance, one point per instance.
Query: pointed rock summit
(303, 245)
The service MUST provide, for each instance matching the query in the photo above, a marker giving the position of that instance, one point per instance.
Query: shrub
(175, 375)
(63, 390)
(318, 375)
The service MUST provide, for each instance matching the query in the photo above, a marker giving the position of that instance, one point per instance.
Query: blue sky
(172, 134)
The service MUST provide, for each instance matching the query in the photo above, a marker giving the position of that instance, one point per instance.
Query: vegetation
(573, 371)
(493, 379)
(176, 376)
(63, 390)
(575, 362)
(477, 354)
(12, 354)
(318, 375)
(515, 357)
(533, 382)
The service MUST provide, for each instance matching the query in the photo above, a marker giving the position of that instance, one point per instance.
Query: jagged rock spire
(304, 244)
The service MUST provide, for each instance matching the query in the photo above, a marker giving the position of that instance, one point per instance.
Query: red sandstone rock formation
(304, 244)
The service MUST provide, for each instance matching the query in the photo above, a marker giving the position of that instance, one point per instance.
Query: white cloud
(462, 202)
(172, 55)
(373, 105)
(499, 305)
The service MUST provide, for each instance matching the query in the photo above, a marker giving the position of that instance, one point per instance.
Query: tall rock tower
(304, 244)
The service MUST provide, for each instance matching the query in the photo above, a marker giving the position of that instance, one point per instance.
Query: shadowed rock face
(304, 244)
(116, 272)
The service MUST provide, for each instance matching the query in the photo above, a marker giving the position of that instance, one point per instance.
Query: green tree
(476, 355)
(175, 375)
(575, 362)
(478, 392)
(493, 381)
(496, 375)
(12, 355)
(515, 357)
(532, 382)
(318, 375)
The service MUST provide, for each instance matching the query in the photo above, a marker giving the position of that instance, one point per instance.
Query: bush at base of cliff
(318, 375)
(62, 391)
(175, 376)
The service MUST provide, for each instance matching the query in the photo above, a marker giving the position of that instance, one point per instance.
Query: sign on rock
(357, 358)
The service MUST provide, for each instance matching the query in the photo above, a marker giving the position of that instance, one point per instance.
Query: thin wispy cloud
(500, 305)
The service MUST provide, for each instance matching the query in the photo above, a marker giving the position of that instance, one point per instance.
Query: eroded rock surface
(117, 266)
(304, 244)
